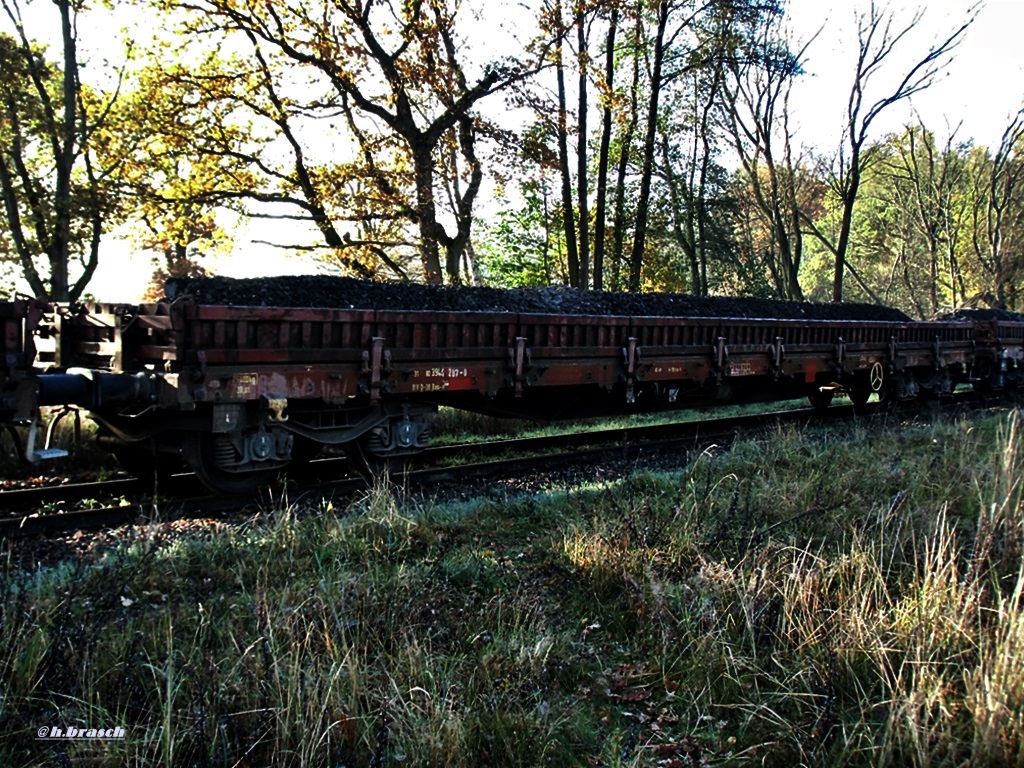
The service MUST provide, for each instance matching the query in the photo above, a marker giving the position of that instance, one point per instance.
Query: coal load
(981, 315)
(330, 292)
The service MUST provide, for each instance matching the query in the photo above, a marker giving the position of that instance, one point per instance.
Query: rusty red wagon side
(239, 392)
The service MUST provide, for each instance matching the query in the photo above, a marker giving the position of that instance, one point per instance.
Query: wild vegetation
(821, 597)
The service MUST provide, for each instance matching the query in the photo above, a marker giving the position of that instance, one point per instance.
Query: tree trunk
(792, 205)
(545, 253)
(602, 161)
(846, 224)
(581, 151)
(706, 134)
(568, 221)
(91, 261)
(619, 250)
(59, 249)
(458, 247)
(683, 213)
(644, 198)
(426, 214)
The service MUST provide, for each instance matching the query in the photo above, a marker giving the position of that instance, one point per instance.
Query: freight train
(238, 379)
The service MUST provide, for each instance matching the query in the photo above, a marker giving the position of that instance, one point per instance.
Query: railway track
(127, 501)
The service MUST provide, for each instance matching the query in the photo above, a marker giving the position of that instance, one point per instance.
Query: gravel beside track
(327, 291)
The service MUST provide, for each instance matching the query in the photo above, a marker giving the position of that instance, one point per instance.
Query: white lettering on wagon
(244, 385)
(741, 369)
(438, 379)
(441, 373)
(431, 386)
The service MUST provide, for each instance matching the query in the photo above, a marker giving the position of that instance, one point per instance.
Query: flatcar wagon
(239, 392)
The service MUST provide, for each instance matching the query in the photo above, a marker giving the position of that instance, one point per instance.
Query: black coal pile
(326, 291)
(981, 315)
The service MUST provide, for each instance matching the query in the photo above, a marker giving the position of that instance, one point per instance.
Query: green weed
(812, 597)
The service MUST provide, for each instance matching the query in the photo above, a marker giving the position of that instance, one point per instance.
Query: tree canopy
(54, 165)
(613, 144)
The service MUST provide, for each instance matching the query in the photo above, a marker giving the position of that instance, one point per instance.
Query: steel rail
(186, 483)
(580, 447)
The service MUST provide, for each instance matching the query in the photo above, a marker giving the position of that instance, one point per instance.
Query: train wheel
(370, 468)
(144, 463)
(373, 466)
(983, 388)
(859, 396)
(225, 483)
(140, 459)
(820, 399)
(206, 456)
(305, 450)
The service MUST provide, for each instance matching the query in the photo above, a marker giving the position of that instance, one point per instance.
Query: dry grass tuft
(817, 598)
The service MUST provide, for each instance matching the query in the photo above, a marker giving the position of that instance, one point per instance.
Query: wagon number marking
(440, 378)
(244, 385)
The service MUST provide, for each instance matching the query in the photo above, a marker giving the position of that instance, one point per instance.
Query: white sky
(983, 86)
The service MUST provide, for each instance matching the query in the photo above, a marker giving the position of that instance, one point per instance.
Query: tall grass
(816, 598)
